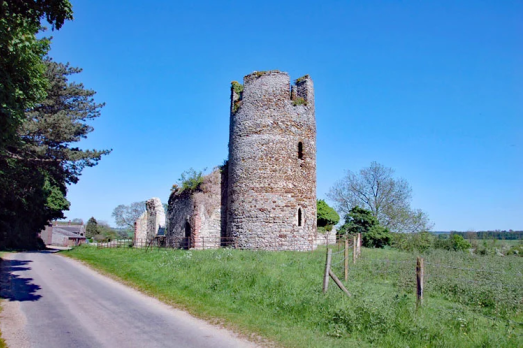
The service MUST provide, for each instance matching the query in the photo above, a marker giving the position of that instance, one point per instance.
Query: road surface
(52, 301)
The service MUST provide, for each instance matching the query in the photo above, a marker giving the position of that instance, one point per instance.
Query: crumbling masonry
(264, 197)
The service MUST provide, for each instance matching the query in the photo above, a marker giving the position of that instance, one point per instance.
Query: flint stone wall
(140, 230)
(196, 218)
(147, 226)
(155, 217)
(272, 186)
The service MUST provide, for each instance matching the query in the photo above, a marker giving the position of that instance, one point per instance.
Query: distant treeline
(505, 235)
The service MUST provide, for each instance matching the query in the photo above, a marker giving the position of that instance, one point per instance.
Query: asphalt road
(53, 301)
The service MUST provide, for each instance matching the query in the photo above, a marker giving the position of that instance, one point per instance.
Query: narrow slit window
(300, 150)
(299, 216)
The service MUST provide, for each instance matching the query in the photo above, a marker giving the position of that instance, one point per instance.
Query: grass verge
(277, 295)
(2, 342)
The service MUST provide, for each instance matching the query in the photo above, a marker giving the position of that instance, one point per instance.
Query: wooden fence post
(327, 270)
(346, 259)
(340, 285)
(419, 282)
(354, 249)
(359, 245)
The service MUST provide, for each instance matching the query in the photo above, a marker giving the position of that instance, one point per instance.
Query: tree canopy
(22, 70)
(360, 220)
(35, 169)
(126, 215)
(387, 198)
(327, 216)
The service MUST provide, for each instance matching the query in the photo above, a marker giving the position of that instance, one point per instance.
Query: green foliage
(91, 229)
(105, 233)
(358, 220)
(326, 215)
(455, 242)
(22, 80)
(236, 106)
(35, 169)
(299, 101)
(376, 237)
(411, 242)
(278, 295)
(258, 74)
(190, 180)
(388, 198)
(237, 87)
(301, 79)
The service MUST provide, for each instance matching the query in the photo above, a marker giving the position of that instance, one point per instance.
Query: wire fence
(493, 287)
(282, 243)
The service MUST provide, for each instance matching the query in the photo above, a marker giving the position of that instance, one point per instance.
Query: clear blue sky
(431, 89)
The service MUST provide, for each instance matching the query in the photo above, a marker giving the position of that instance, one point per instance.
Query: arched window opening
(300, 150)
(299, 217)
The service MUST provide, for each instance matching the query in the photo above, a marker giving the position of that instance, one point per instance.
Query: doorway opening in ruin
(187, 244)
(300, 150)
(299, 216)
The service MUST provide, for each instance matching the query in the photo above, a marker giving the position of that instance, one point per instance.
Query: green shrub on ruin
(299, 101)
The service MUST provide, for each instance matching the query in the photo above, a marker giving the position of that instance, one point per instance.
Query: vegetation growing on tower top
(261, 73)
(303, 78)
(299, 101)
(237, 87)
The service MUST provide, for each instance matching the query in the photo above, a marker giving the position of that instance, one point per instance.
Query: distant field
(471, 301)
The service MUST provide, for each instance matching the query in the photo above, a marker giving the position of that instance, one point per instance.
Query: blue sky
(433, 90)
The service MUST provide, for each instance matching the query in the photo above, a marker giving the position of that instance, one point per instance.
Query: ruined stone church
(264, 196)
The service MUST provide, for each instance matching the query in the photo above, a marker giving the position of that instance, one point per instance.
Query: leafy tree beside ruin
(360, 220)
(387, 198)
(327, 217)
(126, 215)
(36, 169)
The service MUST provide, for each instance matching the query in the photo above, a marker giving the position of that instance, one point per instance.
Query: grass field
(471, 301)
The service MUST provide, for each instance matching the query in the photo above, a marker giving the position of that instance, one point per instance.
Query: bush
(326, 215)
(376, 237)
(412, 241)
(190, 180)
(455, 242)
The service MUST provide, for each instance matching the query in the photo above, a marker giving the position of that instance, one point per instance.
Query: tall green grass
(278, 295)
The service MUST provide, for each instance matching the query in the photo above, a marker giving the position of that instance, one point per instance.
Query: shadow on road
(14, 287)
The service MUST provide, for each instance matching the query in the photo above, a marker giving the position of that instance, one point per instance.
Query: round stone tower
(272, 163)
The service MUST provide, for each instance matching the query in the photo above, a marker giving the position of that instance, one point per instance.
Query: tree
(126, 215)
(327, 216)
(22, 70)
(190, 180)
(360, 220)
(91, 229)
(35, 170)
(387, 198)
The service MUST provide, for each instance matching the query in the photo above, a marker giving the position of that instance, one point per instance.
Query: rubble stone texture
(147, 226)
(272, 163)
(265, 197)
(196, 218)
(155, 217)
(140, 230)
